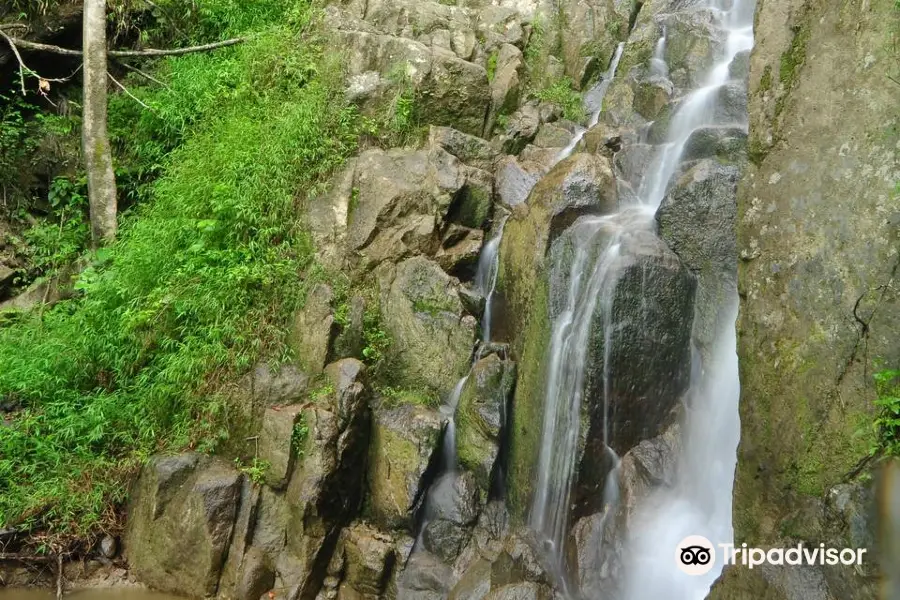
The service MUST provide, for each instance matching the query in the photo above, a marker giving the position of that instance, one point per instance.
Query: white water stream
(700, 503)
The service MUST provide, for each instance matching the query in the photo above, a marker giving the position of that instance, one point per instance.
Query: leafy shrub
(561, 93)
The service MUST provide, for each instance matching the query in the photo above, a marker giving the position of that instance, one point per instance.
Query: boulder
(403, 442)
(362, 564)
(505, 87)
(727, 144)
(456, 93)
(399, 197)
(525, 590)
(696, 219)
(552, 136)
(581, 184)
(294, 528)
(181, 517)
(276, 445)
(652, 96)
(481, 415)
(421, 311)
(515, 181)
(521, 128)
(471, 150)
(425, 577)
(451, 511)
(351, 341)
(634, 331)
(312, 330)
(459, 251)
(327, 217)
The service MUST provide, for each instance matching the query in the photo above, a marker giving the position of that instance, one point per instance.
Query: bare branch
(129, 94)
(144, 75)
(13, 26)
(123, 53)
(22, 66)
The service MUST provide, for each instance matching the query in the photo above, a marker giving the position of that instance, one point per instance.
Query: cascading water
(485, 284)
(595, 98)
(701, 501)
(658, 64)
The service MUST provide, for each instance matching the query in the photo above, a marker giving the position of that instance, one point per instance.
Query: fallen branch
(129, 94)
(146, 76)
(122, 53)
(22, 67)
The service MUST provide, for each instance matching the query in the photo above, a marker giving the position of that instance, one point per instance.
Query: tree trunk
(94, 138)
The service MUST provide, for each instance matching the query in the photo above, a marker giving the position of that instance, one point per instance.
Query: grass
(198, 287)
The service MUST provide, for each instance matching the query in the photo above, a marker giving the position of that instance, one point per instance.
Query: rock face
(481, 414)
(403, 440)
(817, 239)
(696, 220)
(180, 532)
(424, 315)
(581, 184)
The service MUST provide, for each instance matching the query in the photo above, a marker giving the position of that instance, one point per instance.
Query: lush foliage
(887, 423)
(200, 282)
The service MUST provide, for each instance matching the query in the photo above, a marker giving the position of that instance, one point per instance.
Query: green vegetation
(207, 270)
(887, 423)
(562, 94)
(392, 397)
(299, 435)
(255, 470)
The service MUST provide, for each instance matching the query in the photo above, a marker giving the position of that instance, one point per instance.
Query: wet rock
(180, 523)
(312, 330)
(459, 251)
(519, 562)
(452, 509)
(233, 572)
(622, 404)
(696, 219)
(632, 162)
(515, 181)
(731, 104)
(403, 441)
(275, 442)
(589, 35)
(728, 144)
(422, 312)
(552, 136)
(580, 184)
(481, 415)
(691, 49)
(473, 301)
(651, 97)
(740, 66)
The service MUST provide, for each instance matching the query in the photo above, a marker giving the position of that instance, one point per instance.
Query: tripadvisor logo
(696, 555)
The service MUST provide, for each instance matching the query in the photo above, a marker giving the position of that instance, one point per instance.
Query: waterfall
(701, 501)
(486, 284)
(595, 97)
(658, 64)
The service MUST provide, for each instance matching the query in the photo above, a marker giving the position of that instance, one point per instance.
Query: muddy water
(108, 594)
